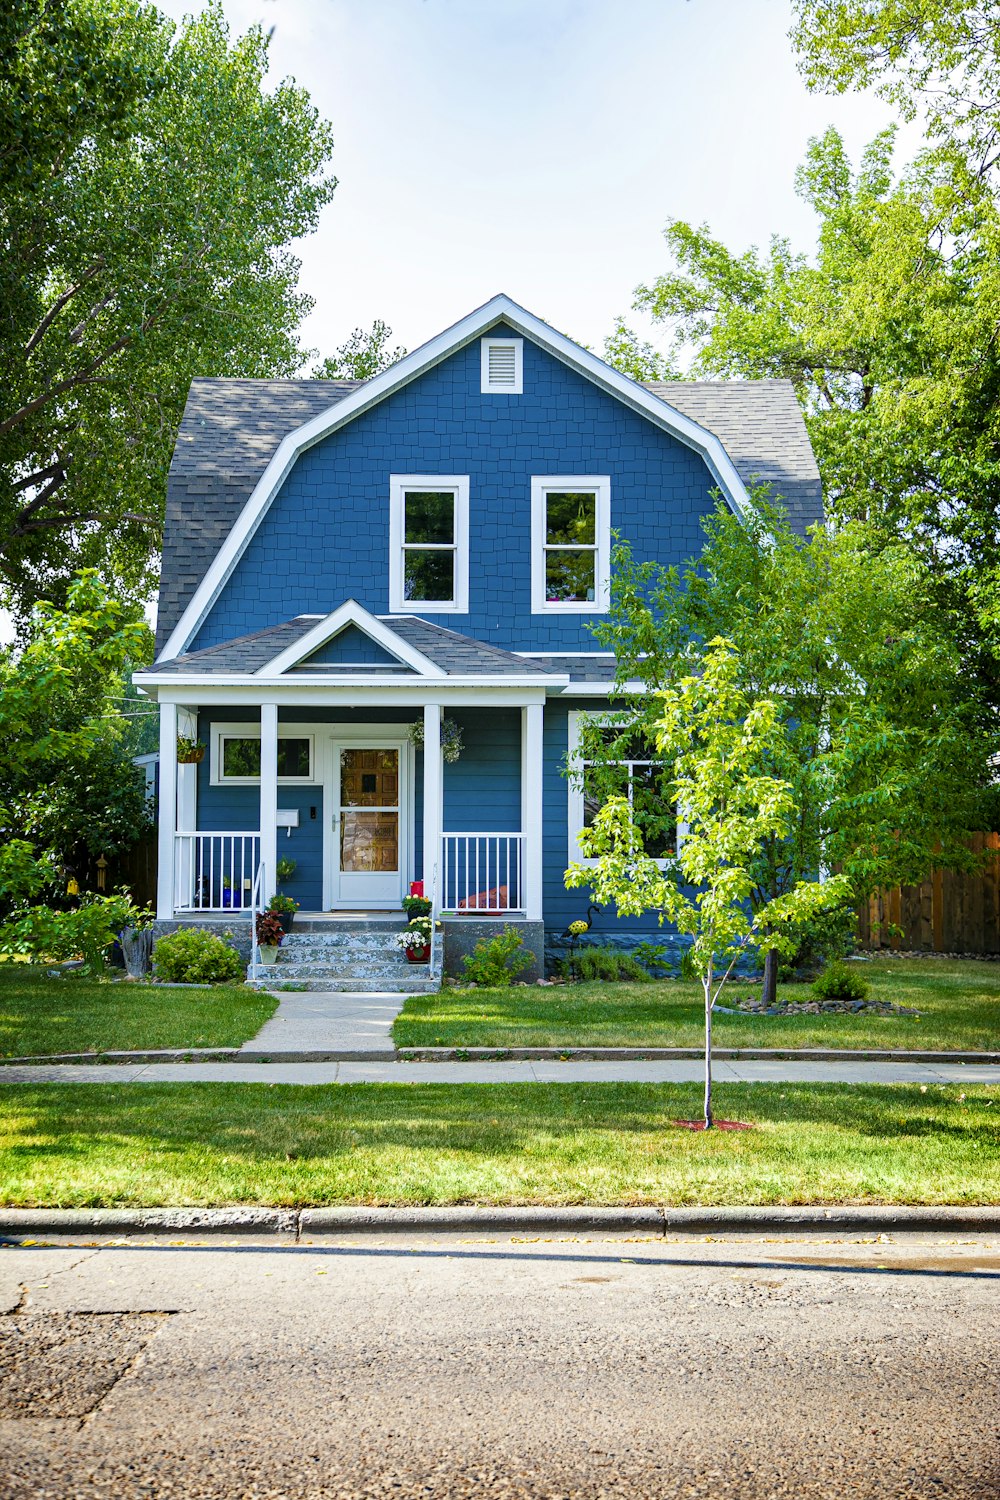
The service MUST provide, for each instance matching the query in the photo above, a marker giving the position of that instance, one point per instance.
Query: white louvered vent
(502, 367)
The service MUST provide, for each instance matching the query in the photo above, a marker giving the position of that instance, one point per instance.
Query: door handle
(333, 820)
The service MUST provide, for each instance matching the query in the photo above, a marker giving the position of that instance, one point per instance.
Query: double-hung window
(429, 544)
(627, 765)
(570, 543)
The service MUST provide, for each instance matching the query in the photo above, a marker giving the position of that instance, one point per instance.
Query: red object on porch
(416, 887)
(494, 900)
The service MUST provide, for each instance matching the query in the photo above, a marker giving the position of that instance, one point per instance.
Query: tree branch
(60, 302)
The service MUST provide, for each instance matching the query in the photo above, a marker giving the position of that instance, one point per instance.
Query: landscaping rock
(750, 1007)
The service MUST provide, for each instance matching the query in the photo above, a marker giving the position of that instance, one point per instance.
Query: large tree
(150, 189)
(364, 354)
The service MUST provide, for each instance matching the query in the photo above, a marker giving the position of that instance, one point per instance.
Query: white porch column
(167, 811)
(187, 776)
(268, 797)
(531, 809)
(433, 802)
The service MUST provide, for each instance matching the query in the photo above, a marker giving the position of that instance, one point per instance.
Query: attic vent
(501, 367)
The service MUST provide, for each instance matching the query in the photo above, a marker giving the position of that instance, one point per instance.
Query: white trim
(248, 730)
(498, 309)
(486, 388)
(166, 812)
(433, 804)
(248, 695)
(202, 687)
(532, 782)
(349, 613)
(600, 484)
(268, 799)
(575, 787)
(399, 484)
(602, 655)
(377, 736)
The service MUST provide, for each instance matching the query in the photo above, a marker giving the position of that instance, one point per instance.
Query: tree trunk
(708, 1052)
(769, 993)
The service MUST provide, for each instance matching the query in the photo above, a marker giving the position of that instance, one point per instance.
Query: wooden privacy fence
(948, 913)
(135, 869)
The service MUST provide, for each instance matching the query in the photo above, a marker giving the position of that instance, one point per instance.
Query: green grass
(39, 1015)
(80, 1145)
(959, 1005)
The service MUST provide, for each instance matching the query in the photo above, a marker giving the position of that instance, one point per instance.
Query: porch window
(428, 544)
(571, 544)
(637, 773)
(237, 758)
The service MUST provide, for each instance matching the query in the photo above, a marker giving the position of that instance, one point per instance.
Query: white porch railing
(215, 871)
(482, 872)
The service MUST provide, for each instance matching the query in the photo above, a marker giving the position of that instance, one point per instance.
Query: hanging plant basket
(451, 739)
(189, 752)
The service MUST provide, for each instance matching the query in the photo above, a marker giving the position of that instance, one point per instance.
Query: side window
(571, 544)
(236, 757)
(633, 770)
(428, 544)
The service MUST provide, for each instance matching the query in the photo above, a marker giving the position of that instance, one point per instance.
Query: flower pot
(268, 955)
(232, 898)
(418, 955)
(286, 918)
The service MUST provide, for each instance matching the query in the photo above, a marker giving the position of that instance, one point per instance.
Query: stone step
(324, 925)
(347, 971)
(339, 986)
(336, 945)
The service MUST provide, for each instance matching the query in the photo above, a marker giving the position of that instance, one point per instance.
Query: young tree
(361, 356)
(721, 745)
(886, 751)
(150, 190)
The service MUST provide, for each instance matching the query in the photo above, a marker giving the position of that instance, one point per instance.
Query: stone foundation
(461, 934)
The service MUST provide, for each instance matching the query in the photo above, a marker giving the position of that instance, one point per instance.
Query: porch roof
(453, 654)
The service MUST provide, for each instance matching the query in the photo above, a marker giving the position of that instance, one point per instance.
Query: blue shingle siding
(326, 535)
(352, 645)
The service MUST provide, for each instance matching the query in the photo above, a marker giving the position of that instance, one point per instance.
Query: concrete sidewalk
(538, 1071)
(317, 1021)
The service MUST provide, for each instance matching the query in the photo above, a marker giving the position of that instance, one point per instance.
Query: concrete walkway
(315, 1021)
(576, 1071)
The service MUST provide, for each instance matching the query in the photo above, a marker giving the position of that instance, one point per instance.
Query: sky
(536, 147)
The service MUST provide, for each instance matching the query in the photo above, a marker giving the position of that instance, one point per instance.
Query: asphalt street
(510, 1366)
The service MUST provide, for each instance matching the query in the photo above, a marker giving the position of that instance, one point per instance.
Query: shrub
(608, 964)
(497, 961)
(651, 956)
(827, 936)
(839, 981)
(87, 930)
(193, 956)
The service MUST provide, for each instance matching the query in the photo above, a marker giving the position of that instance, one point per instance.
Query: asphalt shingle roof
(231, 428)
(456, 655)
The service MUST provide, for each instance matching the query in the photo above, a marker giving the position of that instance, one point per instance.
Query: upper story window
(570, 543)
(429, 544)
(502, 371)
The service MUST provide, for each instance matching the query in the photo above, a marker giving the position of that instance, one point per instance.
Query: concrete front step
(347, 956)
(357, 970)
(275, 978)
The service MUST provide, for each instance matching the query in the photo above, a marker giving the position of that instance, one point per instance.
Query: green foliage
(67, 782)
(607, 964)
(830, 935)
(363, 355)
(416, 906)
(284, 870)
(86, 931)
(839, 981)
(22, 875)
(193, 956)
(636, 357)
(150, 191)
(283, 904)
(269, 930)
(652, 956)
(496, 961)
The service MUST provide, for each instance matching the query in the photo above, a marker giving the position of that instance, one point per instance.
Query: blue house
(358, 575)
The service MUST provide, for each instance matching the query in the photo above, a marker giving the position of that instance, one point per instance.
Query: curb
(294, 1224)
(505, 1054)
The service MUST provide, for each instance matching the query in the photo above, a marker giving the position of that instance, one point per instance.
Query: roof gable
(348, 403)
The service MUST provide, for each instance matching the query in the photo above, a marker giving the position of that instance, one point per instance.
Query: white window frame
(600, 484)
(517, 389)
(399, 484)
(250, 731)
(575, 764)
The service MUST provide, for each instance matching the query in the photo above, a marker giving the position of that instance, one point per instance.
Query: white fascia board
(195, 687)
(600, 689)
(249, 696)
(349, 613)
(379, 386)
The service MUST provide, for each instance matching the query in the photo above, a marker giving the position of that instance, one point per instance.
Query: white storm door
(367, 824)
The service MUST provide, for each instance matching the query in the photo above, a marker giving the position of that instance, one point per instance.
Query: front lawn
(958, 1001)
(81, 1145)
(39, 1015)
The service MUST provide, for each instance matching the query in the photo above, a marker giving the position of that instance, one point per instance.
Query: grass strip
(40, 1016)
(958, 1001)
(87, 1145)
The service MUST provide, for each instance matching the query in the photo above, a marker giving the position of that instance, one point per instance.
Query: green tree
(886, 751)
(888, 335)
(151, 189)
(721, 745)
(636, 357)
(363, 355)
(67, 783)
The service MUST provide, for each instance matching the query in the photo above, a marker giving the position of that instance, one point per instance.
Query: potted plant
(230, 897)
(269, 935)
(189, 752)
(284, 909)
(451, 739)
(415, 940)
(416, 906)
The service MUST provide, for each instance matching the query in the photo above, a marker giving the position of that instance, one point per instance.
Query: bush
(829, 935)
(85, 931)
(193, 956)
(497, 961)
(608, 964)
(839, 981)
